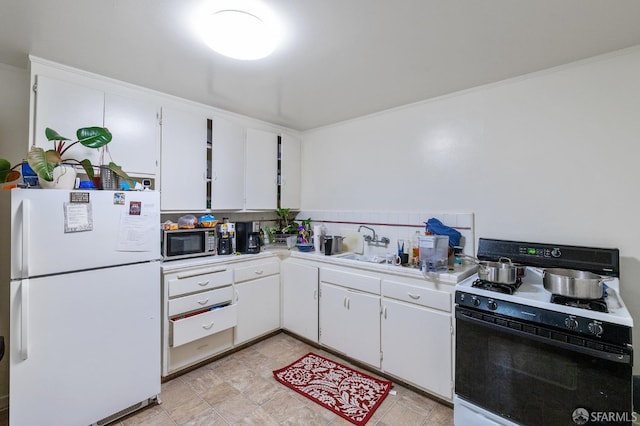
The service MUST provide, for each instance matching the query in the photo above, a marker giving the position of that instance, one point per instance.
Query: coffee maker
(226, 238)
(248, 237)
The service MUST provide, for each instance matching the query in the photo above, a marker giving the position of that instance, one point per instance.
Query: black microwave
(184, 243)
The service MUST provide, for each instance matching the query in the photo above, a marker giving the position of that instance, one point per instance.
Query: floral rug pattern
(348, 393)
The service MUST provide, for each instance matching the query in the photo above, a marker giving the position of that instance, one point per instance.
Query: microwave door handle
(26, 234)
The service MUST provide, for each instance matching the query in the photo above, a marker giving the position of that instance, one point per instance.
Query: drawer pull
(260, 272)
(191, 274)
(414, 296)
(203, 301)
(203, 283)
(207, 327)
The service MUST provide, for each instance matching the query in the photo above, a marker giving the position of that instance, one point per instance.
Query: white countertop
(453, 276)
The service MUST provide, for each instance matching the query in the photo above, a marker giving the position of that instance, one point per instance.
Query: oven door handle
(622, 358)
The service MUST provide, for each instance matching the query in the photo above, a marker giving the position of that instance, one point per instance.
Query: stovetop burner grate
(598, 305)
(497, 287)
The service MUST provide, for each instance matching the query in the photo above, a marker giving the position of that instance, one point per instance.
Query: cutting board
(353, 241)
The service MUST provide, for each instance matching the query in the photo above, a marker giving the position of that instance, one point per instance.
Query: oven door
(532, 375)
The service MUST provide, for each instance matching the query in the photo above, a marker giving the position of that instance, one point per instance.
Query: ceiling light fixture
(238, 33)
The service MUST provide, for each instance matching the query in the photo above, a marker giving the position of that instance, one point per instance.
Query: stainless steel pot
(572, 283)
(501, 272)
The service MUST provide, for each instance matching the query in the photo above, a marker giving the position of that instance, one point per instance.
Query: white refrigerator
(81, 304)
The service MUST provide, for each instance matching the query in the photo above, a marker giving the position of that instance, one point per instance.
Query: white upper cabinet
(290, 172)
(135, 126)
(227, 164)
(261, 186)
(131, 116)
(65, 107)
(183, 160)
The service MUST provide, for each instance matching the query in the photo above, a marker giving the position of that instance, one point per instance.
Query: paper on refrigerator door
(136, 229)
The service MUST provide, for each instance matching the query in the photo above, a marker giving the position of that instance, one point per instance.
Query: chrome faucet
(373, 239)
(368, 238)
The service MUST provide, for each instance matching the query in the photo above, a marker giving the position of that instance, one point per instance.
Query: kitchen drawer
(198, 280)
(418, 295)
(256, 271)
(201, 300)
(192, 328)
(360, 282)
(181, 357)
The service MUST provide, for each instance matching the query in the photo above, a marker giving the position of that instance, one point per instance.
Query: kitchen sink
(362, 258)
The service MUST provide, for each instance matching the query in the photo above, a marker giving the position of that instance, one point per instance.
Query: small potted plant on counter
(57, 172)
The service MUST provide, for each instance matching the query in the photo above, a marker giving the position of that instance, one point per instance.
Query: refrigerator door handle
(26, 231)
(24, 319)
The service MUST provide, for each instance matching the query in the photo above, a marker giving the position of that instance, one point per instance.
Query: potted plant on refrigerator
(7, 172)
(57, 172)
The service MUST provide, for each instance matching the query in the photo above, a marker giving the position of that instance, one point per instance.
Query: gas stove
(573, 355)
(528, 300)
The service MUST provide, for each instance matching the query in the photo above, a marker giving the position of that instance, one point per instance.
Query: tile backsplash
(393, 225)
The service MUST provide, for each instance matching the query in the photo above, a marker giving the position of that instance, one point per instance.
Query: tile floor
(240, 389)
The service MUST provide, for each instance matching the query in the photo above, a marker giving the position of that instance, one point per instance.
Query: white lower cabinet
(257, 299)
(300, 299)
(198, 315)
(350, 314)
(416, 337)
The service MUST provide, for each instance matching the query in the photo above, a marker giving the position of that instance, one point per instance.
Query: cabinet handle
(207, 327)
(260, 272)
(197, 272)
(315, 294)
(236, 293)
(414, 296)
(203, 283)
(203, 301)
(348, 303)
(384, 312)
(344, 302)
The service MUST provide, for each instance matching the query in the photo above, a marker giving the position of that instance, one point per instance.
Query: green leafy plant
(43, 162)
(286, 225)
(7, 173)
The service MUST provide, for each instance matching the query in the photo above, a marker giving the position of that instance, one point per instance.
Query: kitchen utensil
(500, 272)
(573, 283)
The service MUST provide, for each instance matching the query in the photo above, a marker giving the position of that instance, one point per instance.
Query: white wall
(551, 157)
(14, 113)
(14, 131)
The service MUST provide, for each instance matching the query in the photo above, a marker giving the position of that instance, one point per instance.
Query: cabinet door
(66, 107)
(350, 322)
(417, 346)
(290, 172)
(227, 164)
(135, 127)
(261, 185)
(364, 327)
(258, 304)
(183, 160)
(300, 299)
(333, 317)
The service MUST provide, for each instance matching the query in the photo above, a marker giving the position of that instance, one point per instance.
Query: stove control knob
(556, 252)
(571, 323)
(475, 301)
(491, 304)
(595, 328)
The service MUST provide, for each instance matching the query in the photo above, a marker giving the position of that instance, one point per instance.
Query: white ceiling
(341, 58)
